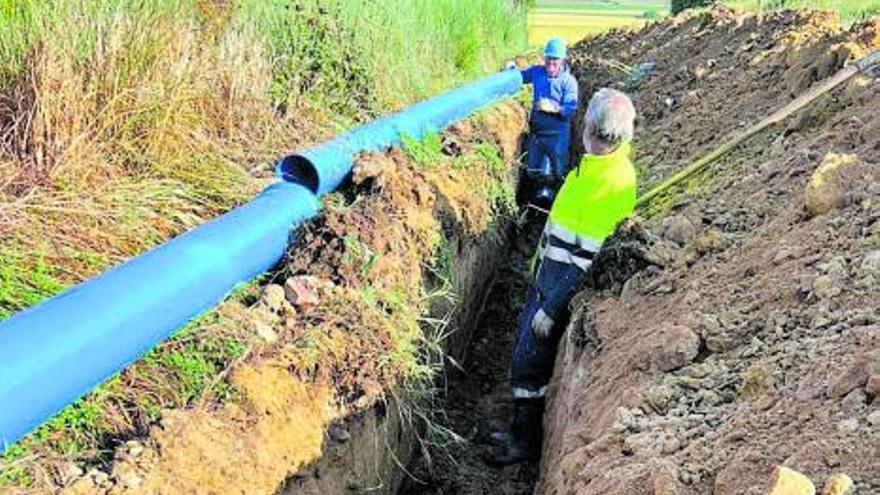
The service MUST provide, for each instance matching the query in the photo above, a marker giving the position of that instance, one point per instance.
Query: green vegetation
(483, 158)
(387, 51)
(501, 192)
(424, 153)
(573, 20)
(374, 55)
(850, 10)
(24, 284)
(126, 122)
(680, 5)
(359, 255)
(79, 421)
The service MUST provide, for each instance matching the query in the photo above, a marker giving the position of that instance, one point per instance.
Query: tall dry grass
(125, 122)
(125, 126)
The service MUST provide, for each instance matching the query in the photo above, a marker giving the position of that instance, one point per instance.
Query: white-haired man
(595, 197)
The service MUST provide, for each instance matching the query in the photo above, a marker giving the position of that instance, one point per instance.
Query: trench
(382, 451)
(477, 399)
(376, 453)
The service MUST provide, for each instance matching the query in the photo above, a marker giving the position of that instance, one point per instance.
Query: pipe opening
(298, 170)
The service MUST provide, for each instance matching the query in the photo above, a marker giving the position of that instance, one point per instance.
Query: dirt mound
(777, 288)
(713, 74)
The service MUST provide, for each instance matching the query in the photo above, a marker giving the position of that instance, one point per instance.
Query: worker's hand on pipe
(549, 106)
(542, 324)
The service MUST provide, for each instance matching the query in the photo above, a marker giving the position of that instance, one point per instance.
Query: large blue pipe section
(324, 167)
(55, 352)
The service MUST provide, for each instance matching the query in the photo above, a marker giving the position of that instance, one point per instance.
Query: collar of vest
(617, 156)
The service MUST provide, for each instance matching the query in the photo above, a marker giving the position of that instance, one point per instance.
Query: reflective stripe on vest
(562, 255)
(524, 393)
(576, 250)
(569, 237)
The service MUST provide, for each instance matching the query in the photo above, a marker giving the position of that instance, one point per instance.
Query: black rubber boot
(523, 441)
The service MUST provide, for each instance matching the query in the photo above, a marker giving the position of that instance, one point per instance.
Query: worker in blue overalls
(555, 102)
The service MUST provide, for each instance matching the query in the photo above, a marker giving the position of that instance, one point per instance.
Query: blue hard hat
(555, 48)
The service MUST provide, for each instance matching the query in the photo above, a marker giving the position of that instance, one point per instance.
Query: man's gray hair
(613, 116)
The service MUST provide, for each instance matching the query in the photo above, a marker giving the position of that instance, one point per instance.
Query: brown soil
(477, 397)
(715, 74)
(748, 335)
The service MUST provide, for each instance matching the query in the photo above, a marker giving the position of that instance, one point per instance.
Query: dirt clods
(839, 484)
(765, 263)
(678, 229)
(675, 346)
(787, 481)
(301, 291)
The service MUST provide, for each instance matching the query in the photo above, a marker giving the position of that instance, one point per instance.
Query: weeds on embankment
(380, 261)
(123, 123)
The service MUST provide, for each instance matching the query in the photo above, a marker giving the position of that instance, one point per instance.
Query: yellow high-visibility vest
(596, 196)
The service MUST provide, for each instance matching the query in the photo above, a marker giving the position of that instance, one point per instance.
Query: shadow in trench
(477, 397)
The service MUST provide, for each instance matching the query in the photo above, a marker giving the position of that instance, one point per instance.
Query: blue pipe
(324, 167)
(55, 352)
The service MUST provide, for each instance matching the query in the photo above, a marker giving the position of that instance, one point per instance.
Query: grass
(125, 122)
(384, 300)
(24, 283)
(482, 159)
(501, 192)
(573, 20)
(850, 11)
(424, 153)
(386, 53)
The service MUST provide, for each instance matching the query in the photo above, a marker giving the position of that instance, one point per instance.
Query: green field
(574, 20)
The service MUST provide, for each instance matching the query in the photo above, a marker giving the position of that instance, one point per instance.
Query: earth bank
(735, 327)
(345, 340)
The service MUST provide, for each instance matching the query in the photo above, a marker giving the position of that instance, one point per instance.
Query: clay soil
(735, 327)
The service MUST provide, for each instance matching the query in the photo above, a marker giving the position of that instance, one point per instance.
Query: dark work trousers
(533, 357)
(548, 156)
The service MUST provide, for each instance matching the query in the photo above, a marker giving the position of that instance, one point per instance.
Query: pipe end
(298, 170)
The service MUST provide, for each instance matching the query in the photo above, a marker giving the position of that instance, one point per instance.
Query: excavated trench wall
(735, 329)
(368, 452)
